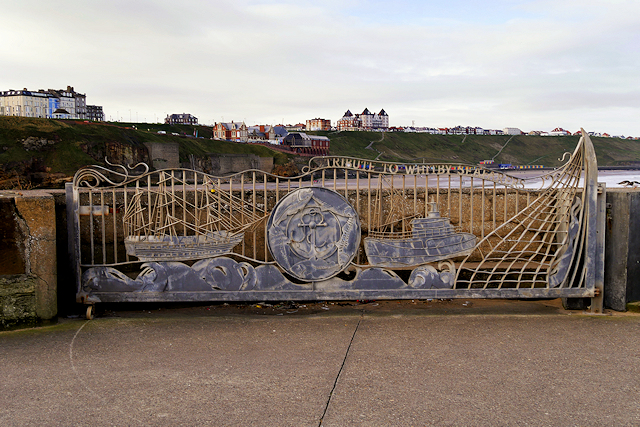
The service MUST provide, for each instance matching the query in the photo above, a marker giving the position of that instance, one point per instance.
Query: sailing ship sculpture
(431, 239)
(162, 224)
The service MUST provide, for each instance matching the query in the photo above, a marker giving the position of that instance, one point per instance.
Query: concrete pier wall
(28, 261)
(224, 164)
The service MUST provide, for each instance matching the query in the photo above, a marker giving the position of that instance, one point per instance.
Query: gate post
(597, 301)
(73, 232)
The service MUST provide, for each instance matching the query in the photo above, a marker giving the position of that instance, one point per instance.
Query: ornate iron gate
(344, 229)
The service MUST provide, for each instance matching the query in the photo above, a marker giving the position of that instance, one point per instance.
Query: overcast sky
(535, 64)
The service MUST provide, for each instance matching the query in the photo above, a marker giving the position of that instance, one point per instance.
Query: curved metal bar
(100, 174)
(565, 154)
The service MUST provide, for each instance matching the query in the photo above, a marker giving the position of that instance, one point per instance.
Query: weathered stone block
(17, 300)
(224, 164)
(634, 307)
(164, 155)
(28, 232)
(12, 239)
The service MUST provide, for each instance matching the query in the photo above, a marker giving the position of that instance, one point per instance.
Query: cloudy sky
(533, 64)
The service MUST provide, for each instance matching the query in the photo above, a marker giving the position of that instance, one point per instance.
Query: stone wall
(164, 155)
(118, 153)
(17, 301)
(225, 164)
(28, 262)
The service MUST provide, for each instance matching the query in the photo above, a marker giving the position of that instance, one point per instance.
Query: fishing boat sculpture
(162, 224)
(431, 239)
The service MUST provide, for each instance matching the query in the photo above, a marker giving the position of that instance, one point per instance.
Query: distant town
(69, 104)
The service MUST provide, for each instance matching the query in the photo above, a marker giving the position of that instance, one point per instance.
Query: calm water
(612, 178)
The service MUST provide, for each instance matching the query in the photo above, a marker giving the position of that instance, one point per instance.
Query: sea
(612, 178)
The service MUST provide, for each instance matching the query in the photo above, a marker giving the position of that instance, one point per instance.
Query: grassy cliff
(519, 149)
(60, 147)
(31, 147)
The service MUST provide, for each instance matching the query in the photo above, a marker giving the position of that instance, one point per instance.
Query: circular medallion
(313, 233)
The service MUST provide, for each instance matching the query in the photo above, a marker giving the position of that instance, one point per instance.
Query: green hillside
(63, 146)
(521, 149)
(59, 147)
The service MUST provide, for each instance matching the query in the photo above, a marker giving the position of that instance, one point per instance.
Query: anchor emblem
(314, 244)
(313, 233)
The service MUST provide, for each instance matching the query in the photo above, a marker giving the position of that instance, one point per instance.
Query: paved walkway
(375, 364)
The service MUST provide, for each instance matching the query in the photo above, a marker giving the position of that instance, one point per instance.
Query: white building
(374, 121)
(511, 131)
(56, 104)
(364, 121)
(24, 103)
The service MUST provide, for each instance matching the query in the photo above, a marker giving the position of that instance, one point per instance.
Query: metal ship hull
(405, 253)
(431, 239)
(181, 248)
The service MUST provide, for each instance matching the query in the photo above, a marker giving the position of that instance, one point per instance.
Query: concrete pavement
(374, 364)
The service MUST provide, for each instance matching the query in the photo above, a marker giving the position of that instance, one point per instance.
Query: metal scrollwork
(94, 176)
(564, 156)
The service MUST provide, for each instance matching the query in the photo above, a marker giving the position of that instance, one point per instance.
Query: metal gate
(345, 228)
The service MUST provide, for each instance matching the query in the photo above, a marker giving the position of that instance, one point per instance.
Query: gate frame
(593, 288)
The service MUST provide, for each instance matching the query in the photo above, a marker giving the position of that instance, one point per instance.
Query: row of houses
(240, 132)
(368, 121)
(50, 104)
(562, 132)
(298, 142)
(469, 130)
(349, 121)
(458, 130)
